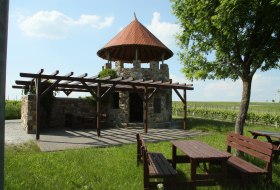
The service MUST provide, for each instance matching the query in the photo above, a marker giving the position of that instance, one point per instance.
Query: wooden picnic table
(266, 134)
(197, 152)
(269, 135)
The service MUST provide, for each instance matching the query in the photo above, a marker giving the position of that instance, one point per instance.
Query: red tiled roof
(135, 36)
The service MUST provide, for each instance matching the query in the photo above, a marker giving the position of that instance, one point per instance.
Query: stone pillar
(154, 65)
(118, 65)
(164, 71)
(136, 64)
(107, 66)
(28, 113)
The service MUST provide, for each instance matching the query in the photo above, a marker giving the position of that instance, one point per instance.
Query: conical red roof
(135, 36)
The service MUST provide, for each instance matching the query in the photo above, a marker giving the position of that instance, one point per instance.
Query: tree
(243, 36)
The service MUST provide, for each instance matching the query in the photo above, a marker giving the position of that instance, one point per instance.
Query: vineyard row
(230, 115)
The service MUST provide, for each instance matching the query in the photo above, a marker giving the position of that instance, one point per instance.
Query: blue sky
(65, 35)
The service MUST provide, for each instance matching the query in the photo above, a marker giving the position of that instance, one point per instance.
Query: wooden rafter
(96, 85)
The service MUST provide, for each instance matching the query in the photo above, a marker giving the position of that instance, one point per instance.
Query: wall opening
(116, 100)
(135, 108)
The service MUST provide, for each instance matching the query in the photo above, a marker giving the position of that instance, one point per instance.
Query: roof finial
(135, 16)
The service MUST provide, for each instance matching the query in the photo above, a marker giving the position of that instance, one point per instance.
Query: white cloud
(220, 90)
(180, 79)
(56, 25)
(264, 88)
(95, 21)
(164, 31)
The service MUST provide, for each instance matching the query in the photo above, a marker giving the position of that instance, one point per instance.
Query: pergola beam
(38, 113)
(107, 80)
(95, 85)
(98, 108)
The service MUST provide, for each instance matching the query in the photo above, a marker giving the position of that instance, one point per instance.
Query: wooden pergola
(99, 88)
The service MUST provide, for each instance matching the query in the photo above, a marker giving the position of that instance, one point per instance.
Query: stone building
(131, 50)
(128, 53)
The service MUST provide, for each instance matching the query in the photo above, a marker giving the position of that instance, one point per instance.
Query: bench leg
(174, 151)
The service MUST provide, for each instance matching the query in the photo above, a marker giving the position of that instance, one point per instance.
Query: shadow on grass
(206, 124)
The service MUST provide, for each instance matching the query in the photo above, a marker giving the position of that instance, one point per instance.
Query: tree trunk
(244, 105)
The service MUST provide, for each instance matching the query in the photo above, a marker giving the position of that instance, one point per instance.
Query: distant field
(264, 107)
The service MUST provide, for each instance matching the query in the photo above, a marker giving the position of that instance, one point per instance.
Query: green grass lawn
(105, 168)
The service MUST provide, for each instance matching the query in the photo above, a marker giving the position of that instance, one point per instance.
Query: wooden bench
(139, 141)
(255, 148)
(156, 166)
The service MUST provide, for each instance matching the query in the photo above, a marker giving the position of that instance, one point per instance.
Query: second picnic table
(199, 152)
(269, 135)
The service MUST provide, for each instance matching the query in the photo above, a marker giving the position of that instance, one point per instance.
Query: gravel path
(15, 134)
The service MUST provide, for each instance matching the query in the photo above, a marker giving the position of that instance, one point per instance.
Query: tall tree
(243, 36)
(4, 7)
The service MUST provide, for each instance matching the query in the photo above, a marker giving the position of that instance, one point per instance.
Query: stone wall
(61, 106)
(81, 108)
(155, 72)
(28, 113)
(120, 117)
(74, 106)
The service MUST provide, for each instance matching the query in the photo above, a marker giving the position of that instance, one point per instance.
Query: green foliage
(242, 36)
(108, 72)
(12, 109)
(112, 168)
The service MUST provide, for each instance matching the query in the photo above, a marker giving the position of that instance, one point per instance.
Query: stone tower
(132, 49)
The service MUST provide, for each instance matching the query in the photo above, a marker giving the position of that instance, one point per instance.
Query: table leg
(268, 139)
(174, 151)
(224, 171)
(193, 169)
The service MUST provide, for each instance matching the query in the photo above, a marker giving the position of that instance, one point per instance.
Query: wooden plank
(199, 150)
(105, 78)
(244, 166)
(160, 166)
(252, 144)
(250, 151)
(260, 143)
(117, 79)
(128, 79)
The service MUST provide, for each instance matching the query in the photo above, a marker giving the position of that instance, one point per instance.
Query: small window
(157, 105)
(116, 100)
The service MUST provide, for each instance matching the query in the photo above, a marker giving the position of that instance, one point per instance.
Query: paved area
(15, 134)
(61, 139)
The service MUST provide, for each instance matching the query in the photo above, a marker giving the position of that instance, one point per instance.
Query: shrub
(12, 109)
(108, 72)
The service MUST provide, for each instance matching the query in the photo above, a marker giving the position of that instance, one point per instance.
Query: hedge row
(13, 109)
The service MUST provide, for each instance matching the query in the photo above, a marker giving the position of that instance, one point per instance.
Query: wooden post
(145, 110)
(185, 109)
(98, 106)
(38, 111)
(4, 12)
